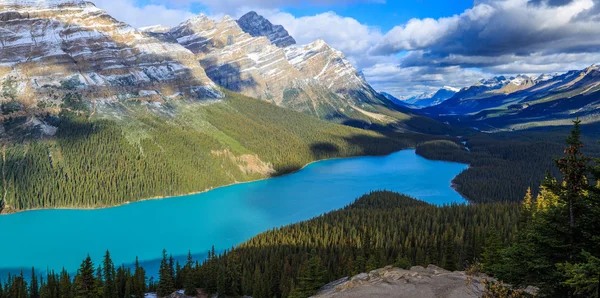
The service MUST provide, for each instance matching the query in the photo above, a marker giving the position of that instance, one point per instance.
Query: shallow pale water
(222, 217)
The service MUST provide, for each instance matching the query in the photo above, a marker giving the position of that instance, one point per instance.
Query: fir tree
(33, 288)
(165, 276)
(65, 288)
(109, 287)
(86, 285)
(491, 256)
(139, 277)
(311, 277)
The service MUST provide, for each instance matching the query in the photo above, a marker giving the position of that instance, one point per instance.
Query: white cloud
(343, 33)
(136, 16)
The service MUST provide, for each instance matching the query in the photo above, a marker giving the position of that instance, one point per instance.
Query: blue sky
(406, 47)
(387, 15)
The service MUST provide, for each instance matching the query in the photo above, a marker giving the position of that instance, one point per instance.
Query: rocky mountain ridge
(256, 25)
(314, 79)
(57, 50)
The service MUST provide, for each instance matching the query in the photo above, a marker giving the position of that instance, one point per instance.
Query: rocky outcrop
(256, 25)
(53, 49)
(418, 282)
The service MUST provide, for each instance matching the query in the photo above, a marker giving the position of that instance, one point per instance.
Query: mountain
(96, 113)
(314, 79)
(256, 25)
(523, 102)
(329, 66)
(254, 66)
(431, 99)
(56, 52)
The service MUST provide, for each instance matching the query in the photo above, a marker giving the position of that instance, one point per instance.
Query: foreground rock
(418, 282)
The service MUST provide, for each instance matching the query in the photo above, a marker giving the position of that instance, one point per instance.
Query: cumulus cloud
(344, 34)
(495, 29)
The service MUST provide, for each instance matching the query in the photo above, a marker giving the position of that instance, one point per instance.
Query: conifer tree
(109, 287)
(188, 278)
(33, 288)
(491, 256)
(311, 277)
(139, 277)
(65, 287)
(86, 285)
(165, 276)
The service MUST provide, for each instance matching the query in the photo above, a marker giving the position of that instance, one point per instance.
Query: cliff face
(50, 49)
(256, 25)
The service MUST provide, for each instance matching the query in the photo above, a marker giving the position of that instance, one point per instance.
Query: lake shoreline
(226, 185)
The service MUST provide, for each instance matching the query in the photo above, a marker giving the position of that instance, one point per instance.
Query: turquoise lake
(222, 217)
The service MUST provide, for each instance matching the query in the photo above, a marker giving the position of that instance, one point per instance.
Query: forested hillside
(123, 152)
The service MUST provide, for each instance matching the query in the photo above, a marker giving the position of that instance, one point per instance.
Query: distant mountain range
(520, 102)
(430, 99)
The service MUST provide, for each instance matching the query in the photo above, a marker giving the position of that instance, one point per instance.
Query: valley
(271, 159)
(221, 218)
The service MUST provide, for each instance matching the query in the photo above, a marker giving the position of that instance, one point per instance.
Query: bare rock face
(51, 49)
(256, 25)
(314, 79)
(254, 66)
(329, 66)
(418, 282)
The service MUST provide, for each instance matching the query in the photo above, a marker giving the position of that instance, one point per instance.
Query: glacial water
(221, 217)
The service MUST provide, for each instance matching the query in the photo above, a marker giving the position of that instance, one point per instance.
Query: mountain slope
(325, 64)
(50, 49)
(134, 150)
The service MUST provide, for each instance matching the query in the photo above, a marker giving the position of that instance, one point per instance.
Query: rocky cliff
(256, 25)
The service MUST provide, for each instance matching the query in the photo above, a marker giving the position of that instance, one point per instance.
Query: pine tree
(491, 256)
(311, 277)
(139, 276)
(234, 274)
(33, 288)
(86, 285)
(65, 287)
(189, 284)
(109, 289)
(165, 276)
